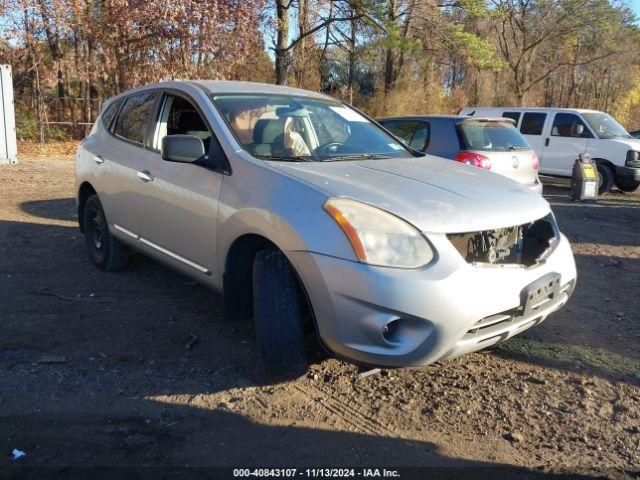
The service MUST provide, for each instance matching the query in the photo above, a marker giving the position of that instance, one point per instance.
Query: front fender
(260, 200)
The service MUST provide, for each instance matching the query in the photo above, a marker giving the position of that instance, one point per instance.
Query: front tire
(627, 186)
(605, 178)
(280, 312)
(106, 251)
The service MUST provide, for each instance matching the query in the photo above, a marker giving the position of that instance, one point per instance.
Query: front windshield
(605, 126)
(275, 127)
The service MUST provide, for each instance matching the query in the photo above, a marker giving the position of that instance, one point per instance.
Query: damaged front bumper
(401, 317)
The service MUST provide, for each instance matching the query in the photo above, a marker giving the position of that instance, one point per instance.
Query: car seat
(191, 123)
(268, 136)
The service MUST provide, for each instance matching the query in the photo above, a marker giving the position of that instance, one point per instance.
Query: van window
(569, 125)
(532, 123)
(133, 119)
(512, 115)
(491, 136)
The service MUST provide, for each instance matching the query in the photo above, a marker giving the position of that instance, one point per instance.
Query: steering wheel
(331, 147)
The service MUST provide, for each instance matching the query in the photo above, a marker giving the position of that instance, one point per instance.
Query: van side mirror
(577, 130)
(182, 148)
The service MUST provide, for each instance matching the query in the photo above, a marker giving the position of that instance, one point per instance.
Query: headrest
(268, 130)
(190, 121)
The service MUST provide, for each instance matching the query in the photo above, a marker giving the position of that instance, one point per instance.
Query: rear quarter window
(110, 113)
(420, 139)
(403, 129)
(134, 117)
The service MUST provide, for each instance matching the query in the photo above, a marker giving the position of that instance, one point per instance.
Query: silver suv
(490, 143)
(313, 220)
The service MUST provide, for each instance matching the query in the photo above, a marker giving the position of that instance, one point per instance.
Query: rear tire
(106, 251)
(605, 179)
(627, 186)
(280, 312)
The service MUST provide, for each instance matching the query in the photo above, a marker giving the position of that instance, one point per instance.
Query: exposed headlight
(378, 237)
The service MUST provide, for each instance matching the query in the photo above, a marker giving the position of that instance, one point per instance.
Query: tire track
(346, 411)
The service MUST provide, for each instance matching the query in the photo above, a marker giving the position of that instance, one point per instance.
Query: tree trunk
(388, 71)
(352, 59)
(282, 10)
(389, 60)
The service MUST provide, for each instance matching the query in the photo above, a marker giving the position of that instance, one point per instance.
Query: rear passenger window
(532, 123)
(420, 139)
(402, 129)
(110, 113)
(133, 119)
(512, 115)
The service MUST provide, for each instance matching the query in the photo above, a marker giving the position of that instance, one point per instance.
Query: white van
(558, 135)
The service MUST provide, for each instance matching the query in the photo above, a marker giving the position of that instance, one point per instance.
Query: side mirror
(182, 148)
(577, 130)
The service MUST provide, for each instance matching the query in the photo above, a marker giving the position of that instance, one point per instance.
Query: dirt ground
(140, 368)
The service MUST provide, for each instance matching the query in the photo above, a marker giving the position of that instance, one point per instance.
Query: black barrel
(584, 181)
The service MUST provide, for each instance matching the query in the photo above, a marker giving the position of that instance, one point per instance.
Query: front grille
(498, 322)
(520, 245)
(633, 159)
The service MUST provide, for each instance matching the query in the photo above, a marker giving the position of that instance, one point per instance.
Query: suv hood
(433, 194)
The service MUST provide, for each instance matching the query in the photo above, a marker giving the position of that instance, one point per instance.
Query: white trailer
(8, 146)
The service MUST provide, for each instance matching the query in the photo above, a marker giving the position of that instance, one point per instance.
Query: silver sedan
(317, 223)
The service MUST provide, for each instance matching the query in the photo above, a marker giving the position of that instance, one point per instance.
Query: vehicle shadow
(188, 442)
(57, 208)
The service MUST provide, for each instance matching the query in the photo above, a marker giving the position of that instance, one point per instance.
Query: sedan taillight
(536, 161)
(475, 159)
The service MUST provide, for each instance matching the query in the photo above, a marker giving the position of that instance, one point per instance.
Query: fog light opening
(390, 329)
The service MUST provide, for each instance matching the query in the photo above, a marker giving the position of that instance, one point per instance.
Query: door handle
(546, 142)
(98, 159)
(145, 176)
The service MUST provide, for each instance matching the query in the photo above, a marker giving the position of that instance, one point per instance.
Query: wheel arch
(84, 192)
(604, 161)
(237, 279)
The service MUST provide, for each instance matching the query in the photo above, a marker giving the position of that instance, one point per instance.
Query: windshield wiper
(288, 158)
(366, 156)
(513, 147)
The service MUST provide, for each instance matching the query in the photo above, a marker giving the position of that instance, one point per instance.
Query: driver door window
(179, 117)
(569, 138)
(569, 125)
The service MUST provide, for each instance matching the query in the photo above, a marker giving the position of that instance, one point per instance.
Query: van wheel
(627, 185)
(106, 251)
(280, 310)
(605, 179)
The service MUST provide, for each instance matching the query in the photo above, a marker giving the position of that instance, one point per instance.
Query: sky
(635, 6)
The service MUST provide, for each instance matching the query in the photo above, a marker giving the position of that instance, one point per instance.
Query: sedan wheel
(280, 313)
(106, 251)
(605, 179)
